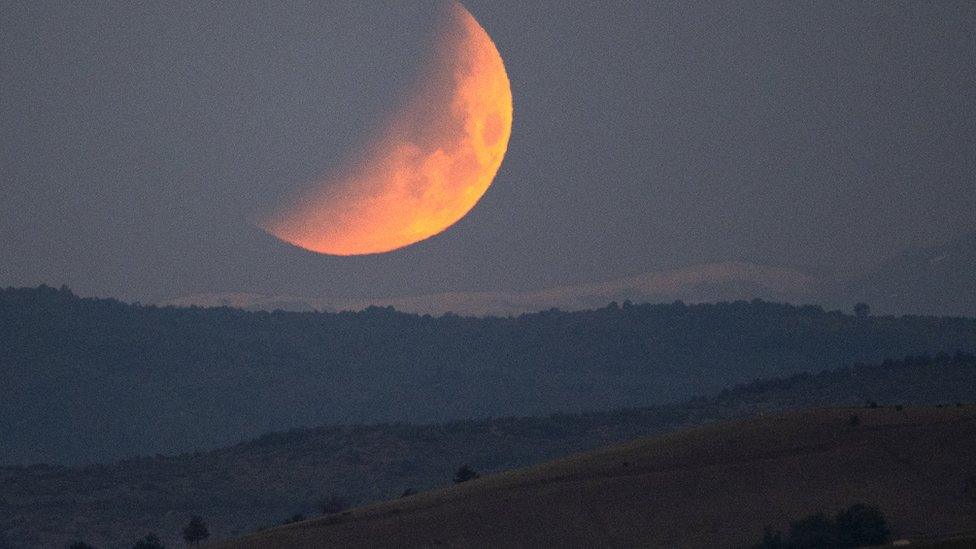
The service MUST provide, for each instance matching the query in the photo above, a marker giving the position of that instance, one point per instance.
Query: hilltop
(715, 486)
(261, 482)
(93, 380)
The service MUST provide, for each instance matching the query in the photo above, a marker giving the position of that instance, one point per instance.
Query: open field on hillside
(717, 485)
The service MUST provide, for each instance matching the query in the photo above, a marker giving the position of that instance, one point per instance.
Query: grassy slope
(711, 486)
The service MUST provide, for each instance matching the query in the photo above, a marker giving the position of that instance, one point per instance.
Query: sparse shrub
(857, 526)
(151, 541)
(771, 540)
(872, 404)
(854, 420)
(970, 488)
(332, 505)
(814, 531)
(861, 525)
(196, 531)
(465, 474)
(899, 407)
(297, 517)
(408, 492)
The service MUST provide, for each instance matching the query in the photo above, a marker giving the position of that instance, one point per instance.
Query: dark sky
(138, 140)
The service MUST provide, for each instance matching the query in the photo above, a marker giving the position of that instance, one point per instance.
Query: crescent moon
(427, 169)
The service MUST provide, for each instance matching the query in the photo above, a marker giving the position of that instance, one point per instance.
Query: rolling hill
(93, 380)
(714, 486)
(261, 482)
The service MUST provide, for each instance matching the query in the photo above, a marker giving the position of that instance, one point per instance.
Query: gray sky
(137, 140)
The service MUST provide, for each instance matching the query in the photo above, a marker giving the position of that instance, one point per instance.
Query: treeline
(89, 380)
(196, 530)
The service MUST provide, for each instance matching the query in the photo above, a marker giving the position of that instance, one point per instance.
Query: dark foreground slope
(715, 486)
(88, 380)
(260, 483)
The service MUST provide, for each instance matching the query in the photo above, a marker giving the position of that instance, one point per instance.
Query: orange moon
(431, 164)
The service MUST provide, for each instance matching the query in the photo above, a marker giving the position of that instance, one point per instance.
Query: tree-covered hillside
(87, 380)
(265, 481)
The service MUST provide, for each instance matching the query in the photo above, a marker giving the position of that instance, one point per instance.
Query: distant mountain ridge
(711, 282)
(935, 280)
(88, 380)
(263, 481)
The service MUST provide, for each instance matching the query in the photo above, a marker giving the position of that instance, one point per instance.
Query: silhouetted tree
(812, 532)
(297, 517)
(332, 505)
(771, 540)
(862, 310)
(861, 525)
(465, 474)
(970, 488)
(196, 531)
(151, 541)
(857, 526)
